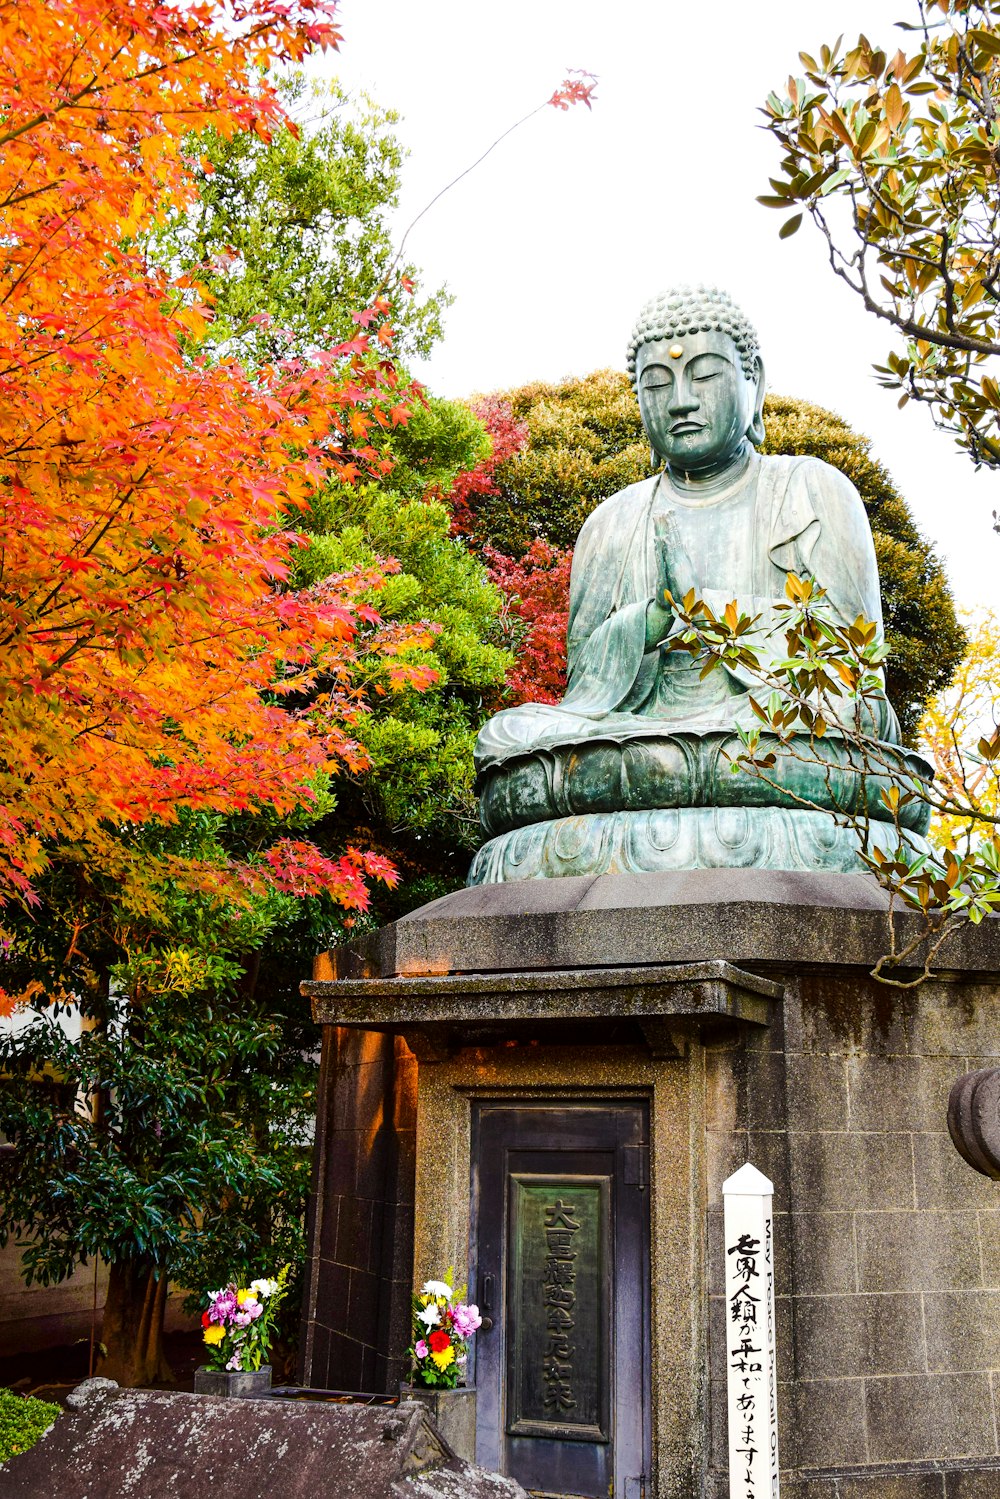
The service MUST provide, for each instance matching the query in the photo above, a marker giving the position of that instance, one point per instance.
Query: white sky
(551, 245)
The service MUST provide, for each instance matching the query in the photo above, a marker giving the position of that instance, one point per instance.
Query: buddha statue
(632, 771)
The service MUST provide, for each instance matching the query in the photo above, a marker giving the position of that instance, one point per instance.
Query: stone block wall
(357, 1296)
(888, 1244)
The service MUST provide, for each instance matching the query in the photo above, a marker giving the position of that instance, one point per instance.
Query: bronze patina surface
(629, 772)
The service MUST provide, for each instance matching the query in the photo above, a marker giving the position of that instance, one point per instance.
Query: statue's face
(695, 400)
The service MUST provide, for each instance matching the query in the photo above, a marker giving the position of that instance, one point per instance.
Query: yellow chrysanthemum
(444, 1358)
(214, 1334)
(242, 1296)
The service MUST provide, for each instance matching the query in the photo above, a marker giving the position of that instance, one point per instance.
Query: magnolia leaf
(988, 40)
(894, 107)
(834, 181)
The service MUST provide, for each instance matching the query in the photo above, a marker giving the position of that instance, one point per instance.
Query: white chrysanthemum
(429, 1316)
(264, 1288)
(437, 1288)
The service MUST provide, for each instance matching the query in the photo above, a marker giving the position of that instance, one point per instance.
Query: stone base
(562, 992)
(233, 1384)
(636, 771)
(453, 1413)
(956, 1480)
(679, 838)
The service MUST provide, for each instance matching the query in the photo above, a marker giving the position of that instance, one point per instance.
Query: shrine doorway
(561, 1241)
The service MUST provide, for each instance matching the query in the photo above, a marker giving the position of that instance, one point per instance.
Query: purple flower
(224, 1305)
(467, 1319)
(242, 1318)
(254, 1308)
(234, 1363)
(420, 1348)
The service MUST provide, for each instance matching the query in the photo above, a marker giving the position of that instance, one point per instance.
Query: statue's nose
(682, 399)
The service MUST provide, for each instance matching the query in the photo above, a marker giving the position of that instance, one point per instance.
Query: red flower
(205, 1319)
(439, 1341)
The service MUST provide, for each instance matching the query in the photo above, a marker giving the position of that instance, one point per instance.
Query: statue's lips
(686, 429)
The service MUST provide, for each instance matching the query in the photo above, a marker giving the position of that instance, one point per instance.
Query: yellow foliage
(952, 730)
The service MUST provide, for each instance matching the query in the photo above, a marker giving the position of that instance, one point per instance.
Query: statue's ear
(755, 431)
(655, 461)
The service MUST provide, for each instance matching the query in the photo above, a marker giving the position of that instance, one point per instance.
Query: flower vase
(453, 1413)
(233, 1384)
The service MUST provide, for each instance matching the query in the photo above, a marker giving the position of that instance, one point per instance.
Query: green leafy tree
(172, 1136)
(891, 152)
(158, 1094)
(166, 1127)
(414, 800)
(290, 231)
(585, 441)
(290, 239)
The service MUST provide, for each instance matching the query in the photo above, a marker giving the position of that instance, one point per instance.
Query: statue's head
(695, 363)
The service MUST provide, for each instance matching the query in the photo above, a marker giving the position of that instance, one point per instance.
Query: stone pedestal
(233, 1384)
(453, 1413)
(739, 1005)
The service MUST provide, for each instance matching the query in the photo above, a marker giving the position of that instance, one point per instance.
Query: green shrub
(22, 1421)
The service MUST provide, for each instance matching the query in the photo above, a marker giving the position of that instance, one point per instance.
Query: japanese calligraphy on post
(751, 1370)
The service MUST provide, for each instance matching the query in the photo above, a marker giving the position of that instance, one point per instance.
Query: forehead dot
(676, 350)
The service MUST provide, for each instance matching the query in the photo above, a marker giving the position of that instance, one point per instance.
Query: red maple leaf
(575, 89)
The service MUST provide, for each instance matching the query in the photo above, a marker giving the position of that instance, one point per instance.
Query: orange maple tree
(148, 650)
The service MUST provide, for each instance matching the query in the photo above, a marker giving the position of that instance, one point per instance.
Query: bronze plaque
(559, 1298)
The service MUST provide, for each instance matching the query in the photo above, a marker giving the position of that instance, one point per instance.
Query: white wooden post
(750, 1355)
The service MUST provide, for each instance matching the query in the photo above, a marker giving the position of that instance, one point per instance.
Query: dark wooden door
(561, 1255)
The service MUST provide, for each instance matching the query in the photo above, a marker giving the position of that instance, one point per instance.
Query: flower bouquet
(239, 1323)
(442, 1327)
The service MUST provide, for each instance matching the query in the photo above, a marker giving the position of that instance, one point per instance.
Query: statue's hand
(674, 572)
(659, 611)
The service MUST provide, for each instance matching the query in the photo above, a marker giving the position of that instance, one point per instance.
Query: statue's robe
(786, 515)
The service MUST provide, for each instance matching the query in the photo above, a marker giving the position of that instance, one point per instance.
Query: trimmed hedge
(22, 1421)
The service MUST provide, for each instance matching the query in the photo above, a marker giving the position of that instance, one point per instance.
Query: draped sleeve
(821, 529)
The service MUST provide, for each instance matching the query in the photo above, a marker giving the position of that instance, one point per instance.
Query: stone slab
(961, 1480)
(929, 1416)
(133, 1444)
(455, 1009)
(745, 916)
